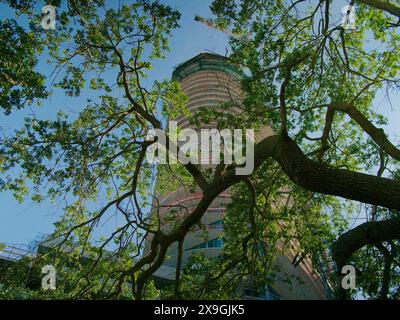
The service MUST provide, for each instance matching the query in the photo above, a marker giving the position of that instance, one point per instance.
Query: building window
(262, 294)
(215, 243)
(216, 211)
(217, 225)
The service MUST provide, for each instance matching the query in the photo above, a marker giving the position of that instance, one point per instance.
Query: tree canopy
(310, 79)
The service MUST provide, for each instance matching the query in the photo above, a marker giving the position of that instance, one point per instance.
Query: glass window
(217, 223)
(215, 243)
(216, 210)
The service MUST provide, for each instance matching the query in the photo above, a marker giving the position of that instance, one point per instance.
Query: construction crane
(212, 24)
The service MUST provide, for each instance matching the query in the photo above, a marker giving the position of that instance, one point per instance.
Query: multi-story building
(209, 80)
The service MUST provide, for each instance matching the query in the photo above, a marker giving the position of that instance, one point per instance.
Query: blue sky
(22, 223)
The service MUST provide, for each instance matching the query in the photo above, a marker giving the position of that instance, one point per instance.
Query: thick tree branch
(322, 179)
(372, 232)
(382, 5)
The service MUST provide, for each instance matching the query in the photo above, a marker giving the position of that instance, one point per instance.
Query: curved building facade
(209, 80)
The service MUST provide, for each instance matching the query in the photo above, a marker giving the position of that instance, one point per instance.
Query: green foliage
(90, 157)
(20, 84)
(297, 63)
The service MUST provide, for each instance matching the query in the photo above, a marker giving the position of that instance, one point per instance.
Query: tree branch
(372, 232)
(322, 179)
(377, 134)
(387, 265)
(382, 5)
